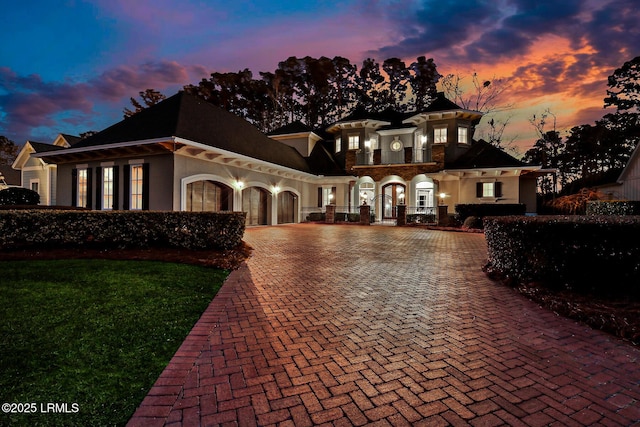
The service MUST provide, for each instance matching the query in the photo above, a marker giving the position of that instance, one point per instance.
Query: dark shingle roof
(322, 162)
(483, 155)
(11, 176)
(71, 139)
(294, 127)
(441, 103)
(194, 119)
(43, 148)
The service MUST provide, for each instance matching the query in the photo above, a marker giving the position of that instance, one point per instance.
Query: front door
(392, 194)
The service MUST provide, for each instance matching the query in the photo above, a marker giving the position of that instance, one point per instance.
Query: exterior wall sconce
(442, 196)
(276, 189)
(239, 184)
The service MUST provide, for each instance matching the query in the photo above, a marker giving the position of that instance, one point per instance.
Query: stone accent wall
(406, 171)
(350, 160)
(330, 217)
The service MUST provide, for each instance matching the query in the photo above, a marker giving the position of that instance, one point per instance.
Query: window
(136, 187)
(489, 189)
(35, 185)
(463, 135)
(338, 144)
(107, 188)
(81, 188)
(419, 146)
(440, 135)
(354, 142)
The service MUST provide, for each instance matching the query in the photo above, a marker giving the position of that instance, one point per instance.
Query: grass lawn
(96, 333)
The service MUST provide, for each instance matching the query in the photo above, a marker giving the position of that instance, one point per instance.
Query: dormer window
(440, 135)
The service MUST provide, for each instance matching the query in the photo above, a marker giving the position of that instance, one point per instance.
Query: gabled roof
(481, 154)
(294, 127)
(40, 147)
(441, 103)
(322, 161)
(71, 139)
(190, 118)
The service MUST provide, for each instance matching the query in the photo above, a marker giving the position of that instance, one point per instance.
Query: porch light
(442, 196)
(240, 185)
(276, 189)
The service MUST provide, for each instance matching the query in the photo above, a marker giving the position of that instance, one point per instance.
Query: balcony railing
(387, 157)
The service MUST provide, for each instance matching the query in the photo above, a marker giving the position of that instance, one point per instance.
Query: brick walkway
(351, 325)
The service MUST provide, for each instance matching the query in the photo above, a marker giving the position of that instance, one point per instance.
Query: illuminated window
(440, 135)
(338, 144)
(81, 196)
(354, 142)
(136, 187)
(463, 135)
(107, 188)
(487, 189)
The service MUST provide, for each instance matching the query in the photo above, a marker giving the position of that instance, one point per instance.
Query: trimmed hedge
(597, 254)
(480, 210)
(613, 207)
(421, 218)
(120, 229)
(19, 196)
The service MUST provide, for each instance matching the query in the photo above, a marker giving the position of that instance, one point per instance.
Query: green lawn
(93, 332)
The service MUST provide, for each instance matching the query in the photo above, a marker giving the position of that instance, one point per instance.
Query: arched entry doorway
(208, 196)
(393, 195)
(287, 207)
(255, 202)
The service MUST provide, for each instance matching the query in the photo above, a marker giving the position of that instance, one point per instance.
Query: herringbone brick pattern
(353, 325)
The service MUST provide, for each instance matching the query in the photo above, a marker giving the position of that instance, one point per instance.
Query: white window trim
(446, 134)
(466, 128)
(131, 187)
(357, 136)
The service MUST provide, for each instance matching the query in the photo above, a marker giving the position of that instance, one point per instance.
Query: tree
(398, 80)
(624, 87)
(149, 97)
(484, 96)
(8, 150)
(423, 82)
(546, 151)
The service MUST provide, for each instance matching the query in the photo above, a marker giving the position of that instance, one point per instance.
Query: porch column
(330, 214)
(443, 215)
(401, 218)
(365, 215)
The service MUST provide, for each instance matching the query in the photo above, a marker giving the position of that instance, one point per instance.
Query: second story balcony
(387, 157)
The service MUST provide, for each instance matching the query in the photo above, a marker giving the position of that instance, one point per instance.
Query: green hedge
(597, 254)
(613, 207)
(421, 218)
(480, 210)
(19, 196)
(120, 229)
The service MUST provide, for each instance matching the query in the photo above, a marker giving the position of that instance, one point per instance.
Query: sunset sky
(70, 66)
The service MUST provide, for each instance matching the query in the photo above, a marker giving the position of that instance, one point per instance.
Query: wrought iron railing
(421, 215)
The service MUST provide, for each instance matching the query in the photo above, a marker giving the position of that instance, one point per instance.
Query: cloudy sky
(69, 66)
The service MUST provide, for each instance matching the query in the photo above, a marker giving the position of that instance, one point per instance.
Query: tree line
(590, 152)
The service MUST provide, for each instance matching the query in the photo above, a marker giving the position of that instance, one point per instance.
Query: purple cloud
(29, 102)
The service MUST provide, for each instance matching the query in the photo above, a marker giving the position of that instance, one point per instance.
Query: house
(186, 154)
(627, 186)
(35, 173)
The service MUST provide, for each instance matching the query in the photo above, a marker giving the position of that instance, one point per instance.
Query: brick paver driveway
(351, 325)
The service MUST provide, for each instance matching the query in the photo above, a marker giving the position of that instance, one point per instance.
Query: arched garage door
(287, 207)
(208, 196)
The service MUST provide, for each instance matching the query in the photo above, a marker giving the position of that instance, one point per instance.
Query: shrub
(120, 229)
(19, 196)
(597, 254)
(316, 216)
(421, 218)
(463, 211)
(472, 222)
(613, 207)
